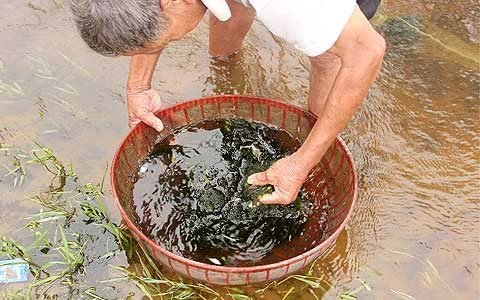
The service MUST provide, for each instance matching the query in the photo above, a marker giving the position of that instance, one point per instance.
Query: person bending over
(345, 53)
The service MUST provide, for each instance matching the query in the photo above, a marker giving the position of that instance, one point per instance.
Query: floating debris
(13, 270)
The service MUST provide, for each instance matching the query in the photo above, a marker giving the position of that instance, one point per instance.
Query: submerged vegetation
(8, 87)
(75, 251)
(194, 200)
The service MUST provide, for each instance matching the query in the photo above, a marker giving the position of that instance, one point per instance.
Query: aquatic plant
(214, 215)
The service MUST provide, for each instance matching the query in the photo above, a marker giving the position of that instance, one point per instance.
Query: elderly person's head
(126, 27)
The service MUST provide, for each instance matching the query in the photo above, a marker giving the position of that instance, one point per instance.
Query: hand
(287, 177)
(141, 107)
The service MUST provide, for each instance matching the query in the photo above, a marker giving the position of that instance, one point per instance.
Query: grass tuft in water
(44, 156)
(428, 266)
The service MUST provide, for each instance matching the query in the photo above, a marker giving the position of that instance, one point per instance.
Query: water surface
(415, 140)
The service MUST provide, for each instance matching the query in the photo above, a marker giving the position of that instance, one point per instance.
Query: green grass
(43, 156)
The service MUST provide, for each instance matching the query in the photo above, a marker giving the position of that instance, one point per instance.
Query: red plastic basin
(342, 189)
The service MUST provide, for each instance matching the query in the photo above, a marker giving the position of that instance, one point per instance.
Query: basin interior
(331, 181)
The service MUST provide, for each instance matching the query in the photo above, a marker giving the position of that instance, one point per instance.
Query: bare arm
(360, 50)
(323, 72)
(142, 100)
(142, 67)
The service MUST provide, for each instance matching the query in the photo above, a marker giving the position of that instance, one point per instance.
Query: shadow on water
(414, 232)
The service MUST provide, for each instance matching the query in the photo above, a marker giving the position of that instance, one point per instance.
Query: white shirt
(312, 26)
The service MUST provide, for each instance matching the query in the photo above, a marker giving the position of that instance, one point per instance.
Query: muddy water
(415, 140)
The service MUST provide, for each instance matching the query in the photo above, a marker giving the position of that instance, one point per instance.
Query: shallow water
(415, 140)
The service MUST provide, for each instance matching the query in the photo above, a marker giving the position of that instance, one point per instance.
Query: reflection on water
(415, 228)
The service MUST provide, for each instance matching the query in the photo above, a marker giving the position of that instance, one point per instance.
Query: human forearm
(323, 72)
(342, 103)
(360, 51)
(142, 67)
(361, 55)
(142, 100)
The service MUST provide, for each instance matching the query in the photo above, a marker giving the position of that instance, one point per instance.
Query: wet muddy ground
(414, 232)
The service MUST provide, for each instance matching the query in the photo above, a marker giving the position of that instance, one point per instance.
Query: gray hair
(114, 27)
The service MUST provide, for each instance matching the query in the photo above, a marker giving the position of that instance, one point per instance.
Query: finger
(132, 123)
(274, 198)
(258, 179)
(151, 120)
